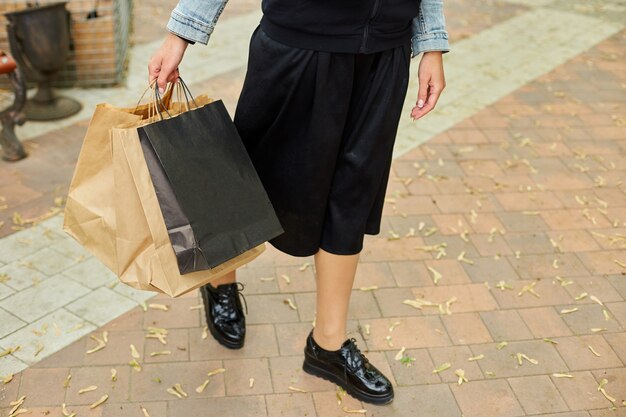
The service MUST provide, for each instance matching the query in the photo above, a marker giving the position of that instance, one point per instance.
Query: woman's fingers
(163, 66)
(422, 94)
(433, 96)
(431, 84)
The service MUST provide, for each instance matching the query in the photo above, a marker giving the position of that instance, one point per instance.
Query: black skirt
(320, 128)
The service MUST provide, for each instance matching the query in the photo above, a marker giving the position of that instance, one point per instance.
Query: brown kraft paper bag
(145, 258)
(89, 215)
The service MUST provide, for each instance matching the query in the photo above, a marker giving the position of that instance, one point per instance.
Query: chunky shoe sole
(312, 368)
(216, 335)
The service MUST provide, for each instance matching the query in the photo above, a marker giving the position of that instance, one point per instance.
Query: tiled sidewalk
(521, 209)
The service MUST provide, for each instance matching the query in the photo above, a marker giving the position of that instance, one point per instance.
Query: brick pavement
(521, 209)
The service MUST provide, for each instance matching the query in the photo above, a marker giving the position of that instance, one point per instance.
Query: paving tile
(491, 270)
(326, 404)
(110, 409)
(48, 261)
(603, 262)
(91, 273)
(544, 322)
(419, 401)
(9, 392)
(618, 311)
(288, 405)
(240, 371)
(587, 317)
(298, 280)
(101, 306)
(68, 357)
(9, 323)
(179, 314)
(390, 301)
(518, 222)
(576, 353)
(260, 343)
(497, 399)
(457, 356)
(617, 341)
(505, 325)
(416, 372)
(542, 266)
(536, 200)
(99, 376)
(144, 385)
(251, 276)
(22, 244)
(270, 309)
(537, 394)
(139, 296)
(118, 348)
(287, 371)
(616, 383)
(454, 245)
(470, 297)
(599, 286)
(550, 293)
(253, 406)
(370, 274)
(292, 337)
(43, 386)
(580, 392)
(61, 329)
(530, 243)
(620, 412)
(574, 240)
(49, 295)
(503, 362)
(410, 273)
(9, 364)
(20, 276)
(568, 414)
(178, 346)
(69, 248)
(490, 245)
(131, 320)
(5, 291)
(451, 270)
(618, 282)
(413, 332)
(466, 328)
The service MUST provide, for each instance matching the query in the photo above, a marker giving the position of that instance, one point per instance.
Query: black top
(349, 26)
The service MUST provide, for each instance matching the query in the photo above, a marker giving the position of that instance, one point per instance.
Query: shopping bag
(89, 211)
(214, 181)
(228, 236)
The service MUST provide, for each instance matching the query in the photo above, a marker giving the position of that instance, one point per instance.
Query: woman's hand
(163, 65)
(432, 82)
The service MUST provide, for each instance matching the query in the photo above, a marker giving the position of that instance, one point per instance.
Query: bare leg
(334, 276)
(226, 279)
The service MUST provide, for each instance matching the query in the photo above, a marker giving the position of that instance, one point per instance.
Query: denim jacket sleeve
(195, 20)
(429, 29)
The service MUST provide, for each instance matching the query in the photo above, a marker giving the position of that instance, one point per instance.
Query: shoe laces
(355, 357)
(228, 301)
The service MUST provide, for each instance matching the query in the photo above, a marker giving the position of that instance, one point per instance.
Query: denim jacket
(195, 20)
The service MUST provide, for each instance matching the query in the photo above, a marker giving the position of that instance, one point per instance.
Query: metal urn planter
(40, 43)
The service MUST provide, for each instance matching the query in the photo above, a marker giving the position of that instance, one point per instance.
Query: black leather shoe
(348, 368)
(224, 314)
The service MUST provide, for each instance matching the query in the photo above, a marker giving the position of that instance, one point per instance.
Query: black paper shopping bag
(211, 197)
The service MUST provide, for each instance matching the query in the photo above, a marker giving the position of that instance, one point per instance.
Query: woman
(318, 114)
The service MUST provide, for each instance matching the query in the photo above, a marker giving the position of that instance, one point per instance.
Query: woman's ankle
(330, 341)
